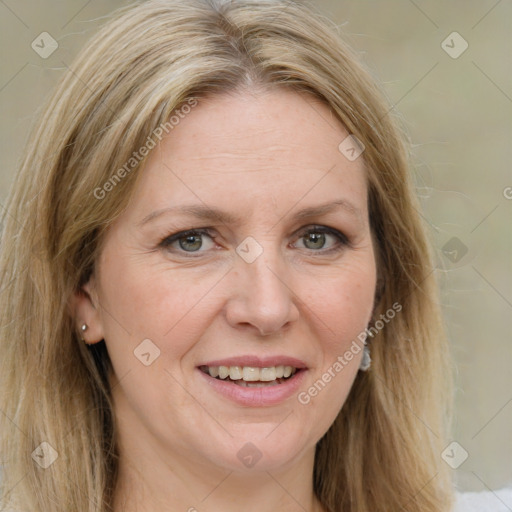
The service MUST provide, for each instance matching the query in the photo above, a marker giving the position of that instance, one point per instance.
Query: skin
(262, 156)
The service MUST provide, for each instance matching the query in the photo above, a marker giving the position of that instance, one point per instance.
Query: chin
(252, 451)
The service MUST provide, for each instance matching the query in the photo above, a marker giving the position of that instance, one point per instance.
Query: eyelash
(343, 241)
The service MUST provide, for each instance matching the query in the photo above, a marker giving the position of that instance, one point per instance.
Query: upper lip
(257, 361)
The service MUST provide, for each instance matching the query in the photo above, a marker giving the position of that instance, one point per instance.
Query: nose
(261, 296)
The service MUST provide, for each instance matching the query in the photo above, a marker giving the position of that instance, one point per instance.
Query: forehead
(272, 148)
(260, 124)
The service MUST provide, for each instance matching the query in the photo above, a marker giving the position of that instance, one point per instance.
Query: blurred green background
(456, 105)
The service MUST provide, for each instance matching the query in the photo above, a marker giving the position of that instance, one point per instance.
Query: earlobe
(85, 310)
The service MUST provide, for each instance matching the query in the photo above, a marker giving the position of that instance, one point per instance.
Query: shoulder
(487, 501)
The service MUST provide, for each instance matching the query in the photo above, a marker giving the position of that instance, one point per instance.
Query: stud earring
(83, 329)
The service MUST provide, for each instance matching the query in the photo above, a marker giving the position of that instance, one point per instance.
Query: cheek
(342, 314)
(149, 302)
(152, 301)
(344, 303)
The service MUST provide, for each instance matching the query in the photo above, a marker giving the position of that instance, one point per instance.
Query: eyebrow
(214, 214)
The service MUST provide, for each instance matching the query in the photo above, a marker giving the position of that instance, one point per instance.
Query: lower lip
(256, 397)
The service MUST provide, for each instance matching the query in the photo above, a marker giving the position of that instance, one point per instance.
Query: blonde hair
(383, 452)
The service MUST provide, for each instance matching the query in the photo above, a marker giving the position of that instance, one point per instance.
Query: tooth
(223, 372)
(268, 374)
(244, 384)
(251, 374)
(235, 372)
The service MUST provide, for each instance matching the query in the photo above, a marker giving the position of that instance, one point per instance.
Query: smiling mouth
(251, 376)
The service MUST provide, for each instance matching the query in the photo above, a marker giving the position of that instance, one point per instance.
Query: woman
(212, 230)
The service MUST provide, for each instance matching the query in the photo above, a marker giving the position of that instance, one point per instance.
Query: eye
(316, 237)
(188, 241)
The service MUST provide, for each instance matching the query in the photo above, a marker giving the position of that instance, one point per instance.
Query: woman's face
(280, 271)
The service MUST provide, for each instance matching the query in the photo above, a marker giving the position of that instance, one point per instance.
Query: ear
(85, 309)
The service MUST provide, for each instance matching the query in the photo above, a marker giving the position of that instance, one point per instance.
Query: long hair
(383, 451)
